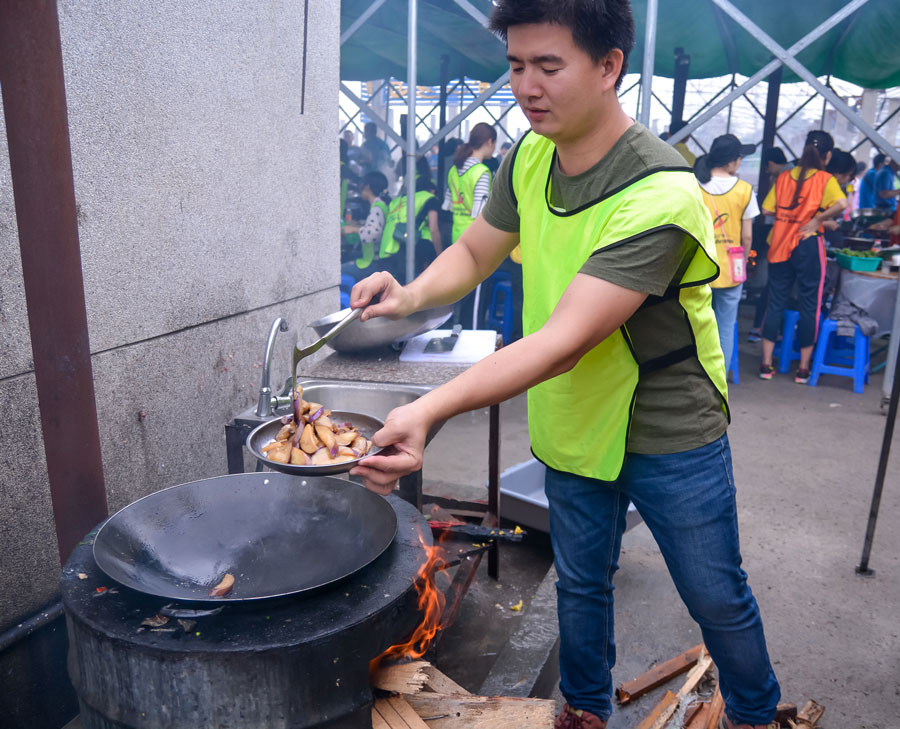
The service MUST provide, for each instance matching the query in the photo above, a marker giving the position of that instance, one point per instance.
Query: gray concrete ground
(805, 462)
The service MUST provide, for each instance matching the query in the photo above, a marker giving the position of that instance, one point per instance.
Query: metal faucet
(264, 408)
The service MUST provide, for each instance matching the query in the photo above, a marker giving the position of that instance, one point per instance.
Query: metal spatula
(315, 347)
(437, 345)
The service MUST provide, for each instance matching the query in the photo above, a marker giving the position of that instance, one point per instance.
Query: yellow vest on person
(397, 215)
(579, 421)
(727, 211)
(462, 195)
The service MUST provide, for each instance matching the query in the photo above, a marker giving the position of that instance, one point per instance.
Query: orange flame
(430, 603)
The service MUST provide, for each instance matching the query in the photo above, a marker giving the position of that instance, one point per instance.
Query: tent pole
(679, 87)
(649, 57)
(360, 21)
(457, 120)
(788, 60)
(770, 126)
(441, 171)
(411, 232)
(800, 45)
(382, 124)
(863, 567)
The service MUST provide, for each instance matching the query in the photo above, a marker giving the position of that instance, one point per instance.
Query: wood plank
(658, 675)
(401, 678)
(440, 683)
(378, 721)
(667, 701)
(407, 713)
(698, 720)
(693, 678)
(397, 714)
(716, 709)
(784, 712)
(809, 715)
(482, 712)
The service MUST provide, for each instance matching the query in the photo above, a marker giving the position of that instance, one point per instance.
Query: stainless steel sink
(371, 398)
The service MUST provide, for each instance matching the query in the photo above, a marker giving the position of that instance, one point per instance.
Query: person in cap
(620, 356)
(733, 207)
(801, 200)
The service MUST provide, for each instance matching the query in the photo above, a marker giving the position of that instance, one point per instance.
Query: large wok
(277, 534)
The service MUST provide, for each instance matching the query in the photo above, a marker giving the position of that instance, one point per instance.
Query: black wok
(277, 534)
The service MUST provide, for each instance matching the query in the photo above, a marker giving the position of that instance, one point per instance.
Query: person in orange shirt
(801, 201)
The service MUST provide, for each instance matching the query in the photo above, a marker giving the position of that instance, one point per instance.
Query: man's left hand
(403, 439)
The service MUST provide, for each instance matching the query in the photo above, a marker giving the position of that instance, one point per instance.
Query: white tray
(523, 501)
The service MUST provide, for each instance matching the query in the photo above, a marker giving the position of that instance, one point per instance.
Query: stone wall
(207, 192)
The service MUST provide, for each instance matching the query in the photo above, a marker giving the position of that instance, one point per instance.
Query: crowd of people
(374, 233)
(801, 212)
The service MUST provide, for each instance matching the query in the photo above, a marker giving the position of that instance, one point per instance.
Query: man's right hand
(391, 299)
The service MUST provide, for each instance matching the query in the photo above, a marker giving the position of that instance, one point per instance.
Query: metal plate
(264, 434)
(276, 534)
(380, 332)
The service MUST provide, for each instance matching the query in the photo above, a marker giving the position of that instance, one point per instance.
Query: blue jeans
(725, 306)
(688, 502)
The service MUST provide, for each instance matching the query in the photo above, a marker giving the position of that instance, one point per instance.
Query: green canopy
(862, 49)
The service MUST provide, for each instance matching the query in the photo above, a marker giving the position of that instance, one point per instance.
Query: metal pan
(276, 534)
(264, 434)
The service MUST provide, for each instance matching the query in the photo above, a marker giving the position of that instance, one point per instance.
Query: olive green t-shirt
(676, 408)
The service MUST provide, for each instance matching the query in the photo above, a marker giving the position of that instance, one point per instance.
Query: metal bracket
(795, 49)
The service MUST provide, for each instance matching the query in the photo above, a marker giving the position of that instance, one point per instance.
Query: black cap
(728, 148)
(774, 154)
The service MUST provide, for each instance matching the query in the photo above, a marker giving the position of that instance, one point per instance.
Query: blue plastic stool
(786, 352)
(733, 366)
(500, 308)
(347, 283)
(830, 355)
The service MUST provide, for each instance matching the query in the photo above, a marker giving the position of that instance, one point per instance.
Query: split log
(482, 712)
(658, 675)
(413, 677)
(401, 678)
(442, 684)
(808, 717)
(396, 713)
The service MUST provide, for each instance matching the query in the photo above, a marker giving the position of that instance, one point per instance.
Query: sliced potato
(299, 458)
(346, 438)
(326, 436)
(308, 439)
(321, 457)
(281, 454)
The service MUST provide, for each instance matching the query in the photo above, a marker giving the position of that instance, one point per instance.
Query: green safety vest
(345, 186)
(368, 249)
(396, 216)
(579, 421)
(462, 195)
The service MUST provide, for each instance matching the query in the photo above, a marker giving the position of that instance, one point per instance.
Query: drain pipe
(28, 626)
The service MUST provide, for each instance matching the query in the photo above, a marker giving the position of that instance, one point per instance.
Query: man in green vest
(626, 384)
